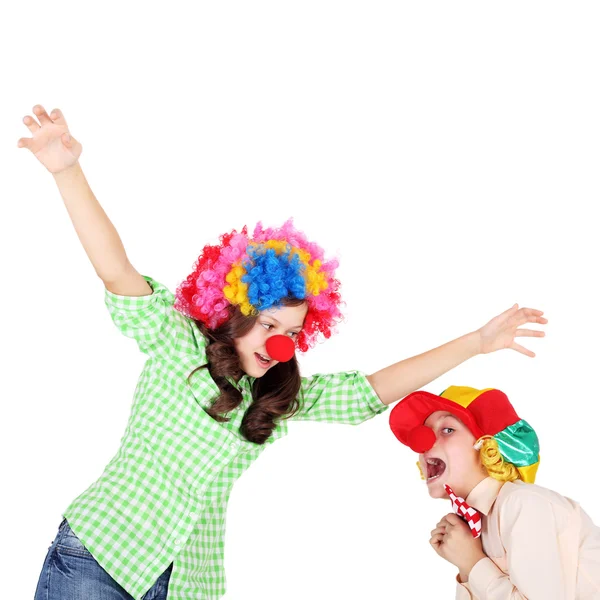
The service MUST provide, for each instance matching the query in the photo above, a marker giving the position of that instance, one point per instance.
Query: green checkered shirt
(162, 498)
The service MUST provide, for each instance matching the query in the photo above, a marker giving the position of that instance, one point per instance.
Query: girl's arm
(402, 378)
(98, 235)
(59, 152)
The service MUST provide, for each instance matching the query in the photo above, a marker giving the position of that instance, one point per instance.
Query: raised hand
(51, 144)
(502, 330)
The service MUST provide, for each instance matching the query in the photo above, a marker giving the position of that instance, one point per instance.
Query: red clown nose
(280, 348)
(421, 439)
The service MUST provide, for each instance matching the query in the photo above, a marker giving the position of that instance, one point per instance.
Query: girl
(219, 384)
(515, 539)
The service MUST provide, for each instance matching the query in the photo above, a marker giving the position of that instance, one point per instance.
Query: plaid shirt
(162, 498)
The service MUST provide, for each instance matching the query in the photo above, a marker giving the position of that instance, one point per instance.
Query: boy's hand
(51, 143)
(452, 540)
(502, 330)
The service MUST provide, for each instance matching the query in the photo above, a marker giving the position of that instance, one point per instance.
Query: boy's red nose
(280, 347)
(421, 439)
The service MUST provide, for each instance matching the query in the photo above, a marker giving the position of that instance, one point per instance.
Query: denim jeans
(70, 572)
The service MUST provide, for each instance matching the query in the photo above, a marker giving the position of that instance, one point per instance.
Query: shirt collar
(484, 494)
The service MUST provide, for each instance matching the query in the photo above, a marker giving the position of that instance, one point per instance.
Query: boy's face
(452, 459)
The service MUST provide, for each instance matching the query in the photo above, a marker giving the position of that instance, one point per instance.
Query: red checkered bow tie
(468, 513)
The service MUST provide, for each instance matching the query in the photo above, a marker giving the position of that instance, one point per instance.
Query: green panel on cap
(519, 444)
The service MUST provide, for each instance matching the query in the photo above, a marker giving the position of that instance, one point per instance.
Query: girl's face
(286, 320)
(452, 459)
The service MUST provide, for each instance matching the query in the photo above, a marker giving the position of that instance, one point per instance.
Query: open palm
(51, 143)
(502, 330)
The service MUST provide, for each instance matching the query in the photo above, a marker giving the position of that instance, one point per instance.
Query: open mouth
(263, 361)
(435, 468)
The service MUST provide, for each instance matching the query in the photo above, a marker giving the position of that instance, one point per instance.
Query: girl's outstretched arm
(59, 152)
(402, 378)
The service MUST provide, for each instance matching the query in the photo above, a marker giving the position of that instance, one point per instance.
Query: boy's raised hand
(51, 143)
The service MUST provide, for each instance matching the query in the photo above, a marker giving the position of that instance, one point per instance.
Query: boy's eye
(447, 429)
(293, 333)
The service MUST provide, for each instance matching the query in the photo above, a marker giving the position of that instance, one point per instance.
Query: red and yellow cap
(485, 412)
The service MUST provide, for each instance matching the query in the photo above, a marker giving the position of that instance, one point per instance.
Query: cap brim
(414, 409)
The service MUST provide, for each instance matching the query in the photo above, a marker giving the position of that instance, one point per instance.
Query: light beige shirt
(540, 546)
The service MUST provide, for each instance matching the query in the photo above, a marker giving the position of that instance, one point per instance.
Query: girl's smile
(263, 360)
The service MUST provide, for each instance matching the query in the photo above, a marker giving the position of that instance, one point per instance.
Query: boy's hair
(495, 465)
(492, 460)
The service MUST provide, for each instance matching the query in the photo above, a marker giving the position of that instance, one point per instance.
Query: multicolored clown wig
(490, 417)
(257, 273)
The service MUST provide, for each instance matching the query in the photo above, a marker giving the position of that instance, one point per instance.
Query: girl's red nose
(281, 348)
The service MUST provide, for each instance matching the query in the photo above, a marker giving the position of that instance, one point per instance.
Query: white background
(446, 152)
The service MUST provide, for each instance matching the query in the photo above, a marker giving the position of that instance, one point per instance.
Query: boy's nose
(421, 439)
(280, 347)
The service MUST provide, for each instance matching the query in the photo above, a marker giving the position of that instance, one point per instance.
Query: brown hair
(274, 395)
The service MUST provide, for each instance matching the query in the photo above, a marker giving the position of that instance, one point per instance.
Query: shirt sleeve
(150, 320)
(463, 591)
(346, 397)
(531, 535)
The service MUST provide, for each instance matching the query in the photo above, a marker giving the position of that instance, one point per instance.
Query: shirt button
(235, 445)
(177, 542)
(193, 515)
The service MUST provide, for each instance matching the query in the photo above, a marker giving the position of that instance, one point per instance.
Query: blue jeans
(70, 572)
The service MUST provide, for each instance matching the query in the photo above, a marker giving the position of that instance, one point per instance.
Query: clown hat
(485, 412)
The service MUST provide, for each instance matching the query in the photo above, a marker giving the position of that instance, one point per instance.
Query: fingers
(445, 520)
(57, 116)
(530, 315)
(437, 540)
(451, 520)
(72, 144)
(438, 529)
(40, 112)
(510, 312)
(24, 143)
(529, 333)
(31, 123)
(522, 350)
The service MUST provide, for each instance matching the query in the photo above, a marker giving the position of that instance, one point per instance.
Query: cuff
(463, 591)
(160, 293)
(372, 400)
(482, 575)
